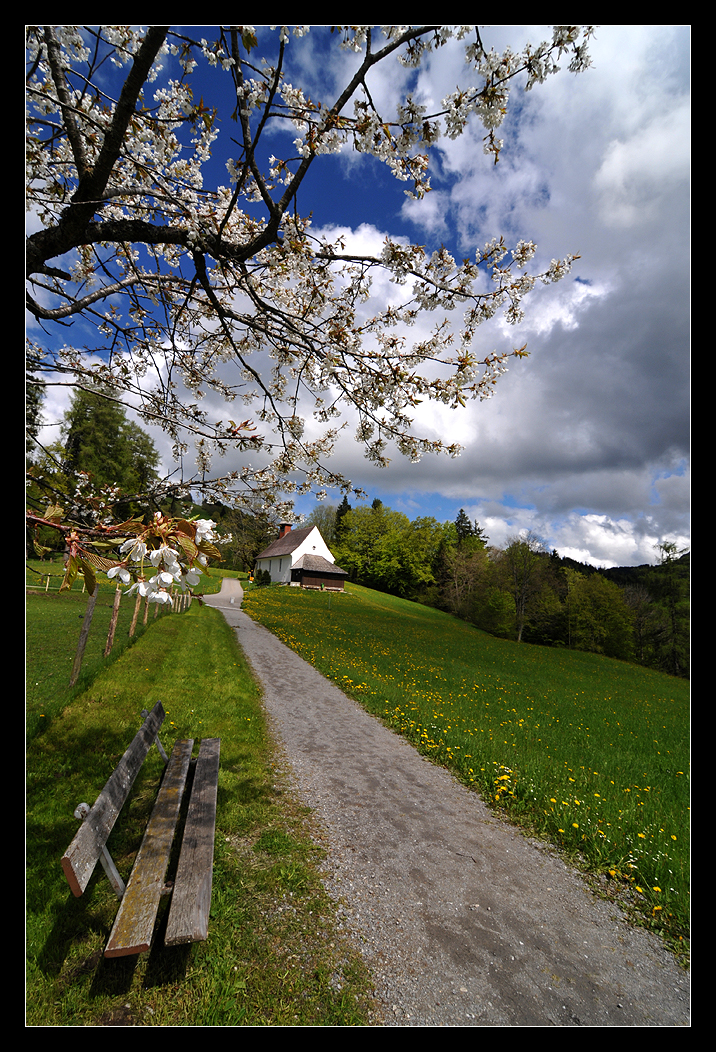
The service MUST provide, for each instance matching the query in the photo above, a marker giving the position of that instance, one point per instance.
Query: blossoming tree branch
(189, 287)
(156, 559)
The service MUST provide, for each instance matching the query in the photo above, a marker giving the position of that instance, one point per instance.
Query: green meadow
(274, 956)
(587, 752)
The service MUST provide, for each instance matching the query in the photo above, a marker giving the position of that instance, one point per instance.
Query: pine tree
(469, 532)
(343, 509)
(100, 440)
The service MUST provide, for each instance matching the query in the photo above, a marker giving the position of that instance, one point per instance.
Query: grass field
(53, 628)
(273, 956)
(588, 752)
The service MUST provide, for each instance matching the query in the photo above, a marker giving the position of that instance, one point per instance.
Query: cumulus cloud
(590, 435)
(587, 441)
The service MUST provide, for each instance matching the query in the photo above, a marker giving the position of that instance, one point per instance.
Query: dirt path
(463, 920)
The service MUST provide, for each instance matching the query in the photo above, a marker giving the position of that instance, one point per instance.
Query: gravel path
(463, 920)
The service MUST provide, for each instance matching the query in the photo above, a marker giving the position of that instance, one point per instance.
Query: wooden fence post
(113, 622)
(84, 633)
(135, 615)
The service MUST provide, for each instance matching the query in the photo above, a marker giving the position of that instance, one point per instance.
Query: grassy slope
(589, 752)
(53, 626)
(272, 957)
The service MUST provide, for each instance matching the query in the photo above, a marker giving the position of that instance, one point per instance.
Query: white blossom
(182, 280)
(121, 572)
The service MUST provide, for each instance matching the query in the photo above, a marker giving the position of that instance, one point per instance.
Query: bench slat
(191, 899)
(81, 856)
(133, 928)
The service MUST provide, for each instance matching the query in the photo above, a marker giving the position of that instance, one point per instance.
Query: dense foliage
(100, 450)
(523, 591)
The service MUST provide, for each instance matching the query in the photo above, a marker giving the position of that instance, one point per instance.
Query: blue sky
(586, 442)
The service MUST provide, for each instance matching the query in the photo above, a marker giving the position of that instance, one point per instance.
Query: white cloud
(584, 442)
(429, 213)
(637, 175)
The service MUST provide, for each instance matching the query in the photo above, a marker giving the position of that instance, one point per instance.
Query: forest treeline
(523, 591)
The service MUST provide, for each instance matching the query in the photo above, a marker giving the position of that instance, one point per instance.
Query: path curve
(462, 919)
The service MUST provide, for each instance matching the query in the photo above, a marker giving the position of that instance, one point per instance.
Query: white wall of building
(279, 566)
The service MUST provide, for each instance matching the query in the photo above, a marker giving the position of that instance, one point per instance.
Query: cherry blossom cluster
(182, 282)
(177, 549)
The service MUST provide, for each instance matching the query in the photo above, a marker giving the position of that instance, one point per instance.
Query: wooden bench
(191, 895)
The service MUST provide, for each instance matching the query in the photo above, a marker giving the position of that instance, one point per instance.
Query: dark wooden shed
(313, 571)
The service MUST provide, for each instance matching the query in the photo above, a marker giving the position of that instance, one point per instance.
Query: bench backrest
(81, 856)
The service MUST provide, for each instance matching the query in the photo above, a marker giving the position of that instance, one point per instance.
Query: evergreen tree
(463, 526)
(98, 439)
(672, 586)
(343, 509)
(469, 534)
(34, 394)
